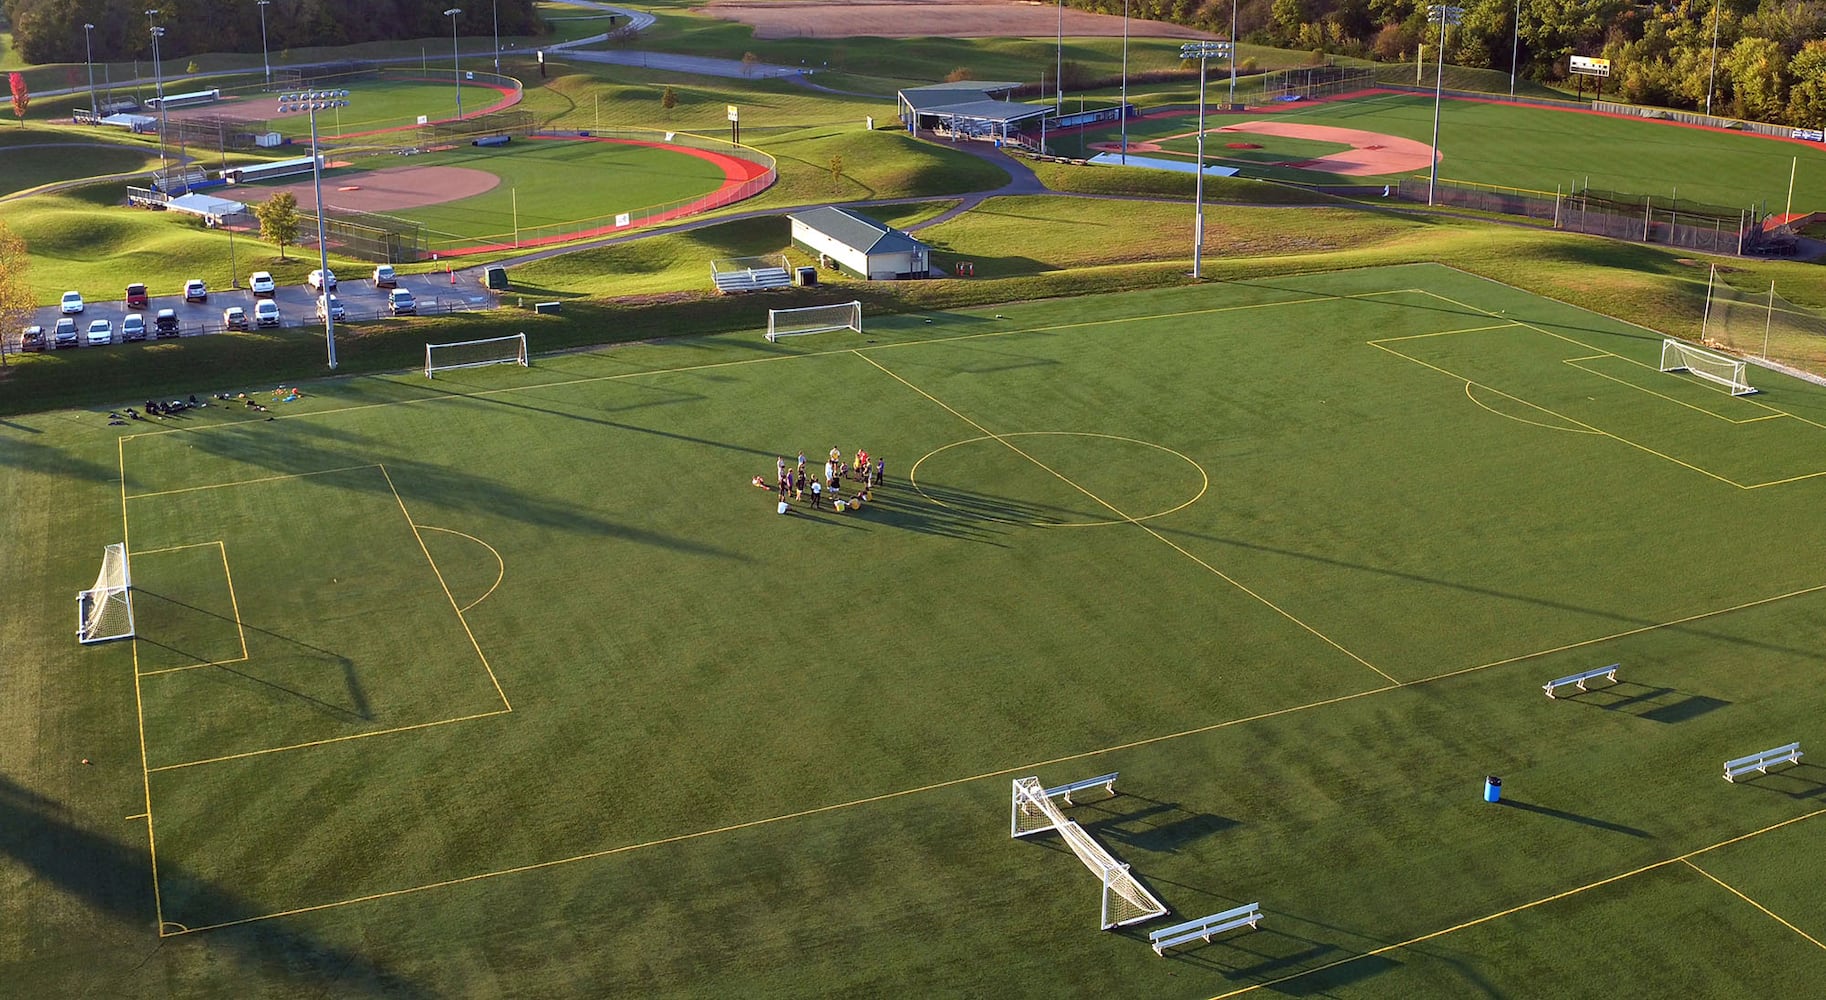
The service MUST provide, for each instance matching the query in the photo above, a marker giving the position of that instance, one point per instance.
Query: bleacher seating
(752, 279)
(1609, 673)
(1761, 762)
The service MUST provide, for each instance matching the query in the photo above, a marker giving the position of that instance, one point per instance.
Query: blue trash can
(1493, 789)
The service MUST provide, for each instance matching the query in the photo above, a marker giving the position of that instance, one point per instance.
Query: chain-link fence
(1637, 218)
(1764, 326)
(1306, 82)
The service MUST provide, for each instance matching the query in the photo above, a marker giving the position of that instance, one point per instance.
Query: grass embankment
(1171, 184)
(1647, 285)
(25, 165)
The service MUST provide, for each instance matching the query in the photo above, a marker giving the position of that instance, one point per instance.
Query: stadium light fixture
(496, 4)
(314, 101)
(1515, 43)
(456, 70)
(265, 60)
(1712, 73)
(158, 85)
(1445, 16)
(1125, 82)
(1202, 51)
(88, 53)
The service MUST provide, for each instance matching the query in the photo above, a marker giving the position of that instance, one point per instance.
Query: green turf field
(1539, 148)
(510, 682)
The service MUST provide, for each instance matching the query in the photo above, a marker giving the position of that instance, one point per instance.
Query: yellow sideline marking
(1385, 949)
(1112, 508)
(1574, 362)
(325, 742)
(1771, 913)
(246, 482)
(447, 594)
(1446, 333)
(139, 709)
(562, 383)
(500, 563)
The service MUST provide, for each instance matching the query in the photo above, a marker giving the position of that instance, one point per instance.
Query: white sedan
(261, 283)
(71, 304)
(318, 279)
(101, 332)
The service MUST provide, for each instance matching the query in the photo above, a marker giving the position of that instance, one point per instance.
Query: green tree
(1759, 75)
(278, 217)
(1807, 93)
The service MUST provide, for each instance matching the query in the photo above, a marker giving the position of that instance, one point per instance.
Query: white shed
(859, 245)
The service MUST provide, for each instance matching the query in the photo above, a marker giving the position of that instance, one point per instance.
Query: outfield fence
(1307, 82)
(384, 239)
(1697, 118)
(1636, 218)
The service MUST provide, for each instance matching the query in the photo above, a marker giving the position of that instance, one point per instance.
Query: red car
(136, 296)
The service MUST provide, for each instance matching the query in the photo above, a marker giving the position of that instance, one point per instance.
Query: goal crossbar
(1680, 356)
(1125, 900)
(814, 319)
(105, 611)
(475, 354)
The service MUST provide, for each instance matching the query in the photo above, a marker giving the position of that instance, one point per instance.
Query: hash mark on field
(1123, 516)
(1770, 913)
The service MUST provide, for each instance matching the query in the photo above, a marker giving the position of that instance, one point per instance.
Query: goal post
(814, 319)
(475, 354)
(1124, 899)
(105, 611)
(1680, 356)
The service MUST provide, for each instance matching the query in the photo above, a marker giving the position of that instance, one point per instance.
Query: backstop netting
(1305, 82)
(814, 319)
(1125, 900)
(1766, 328)
(384, 239)
(475, 354)
(105, 611)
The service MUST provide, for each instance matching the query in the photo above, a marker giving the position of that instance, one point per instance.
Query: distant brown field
(915, 18)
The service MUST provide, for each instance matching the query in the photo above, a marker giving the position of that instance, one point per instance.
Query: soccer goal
(105, 611)
(814, 319)
(1125, 900)
(1680, 356)
(475, 354)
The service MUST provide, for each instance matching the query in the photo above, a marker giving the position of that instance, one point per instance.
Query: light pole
(1445, 16)
(88, 53)
(265, 60)
(1058, 76)
(1712, 74)
(456, 70)
(497, 12)
(314, 101)
(1233, 54)
(1515, 45)
(1125, 82)
(158, 85)
(1202, 51)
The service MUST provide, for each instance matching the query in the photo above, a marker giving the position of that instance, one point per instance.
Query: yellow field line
(500, 563)
(835, 351)
(1385, 949)
(1662, 395)
(1524, 420)
(1562, 416)
(192, 666)
(1112, 508)
(326, 742)
(477, 646)
(139, 709)
(250, 482)
(174, 548)
(1444, 333)
(1784, 482)
(233, 601)
(1770, 913)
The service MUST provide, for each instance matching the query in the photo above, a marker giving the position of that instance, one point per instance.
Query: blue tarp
(1154, 163)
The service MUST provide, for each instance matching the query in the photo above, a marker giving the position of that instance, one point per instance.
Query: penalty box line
(1733, 890)
(234, 604)
(1124, 516)
(1005, 772)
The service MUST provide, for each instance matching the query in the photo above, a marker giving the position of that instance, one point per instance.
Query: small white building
(859, 245)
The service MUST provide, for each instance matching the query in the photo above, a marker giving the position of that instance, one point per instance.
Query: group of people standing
(792, 483)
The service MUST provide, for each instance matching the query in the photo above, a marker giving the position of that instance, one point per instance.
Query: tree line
(49, 31)
(1770, 54)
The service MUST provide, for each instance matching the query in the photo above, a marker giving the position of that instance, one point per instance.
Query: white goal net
(475, 354)
(105, 611)
(1125, 901)
(1679, 356)
(814, 319)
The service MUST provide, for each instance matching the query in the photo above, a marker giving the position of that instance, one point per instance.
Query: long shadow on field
(1644, 702)
(292, 446)
(114, 879)
(1149, 824)
(1447, 308)
(49, 460)
(1802, 781)
(1469, 588)
(1591, 821)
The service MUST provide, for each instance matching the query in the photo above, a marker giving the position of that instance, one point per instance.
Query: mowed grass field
(509, 682)
(1485, 142)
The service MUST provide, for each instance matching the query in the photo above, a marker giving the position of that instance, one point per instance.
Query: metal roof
(857, 232)
(940, 94)
(991, 111)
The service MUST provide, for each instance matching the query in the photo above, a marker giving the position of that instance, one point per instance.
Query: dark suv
(32, 339)
(166, 323)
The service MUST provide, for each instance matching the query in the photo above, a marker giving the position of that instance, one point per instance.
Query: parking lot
(361, 300)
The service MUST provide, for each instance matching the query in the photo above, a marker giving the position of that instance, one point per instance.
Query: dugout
(858, 245)
(973, 110)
